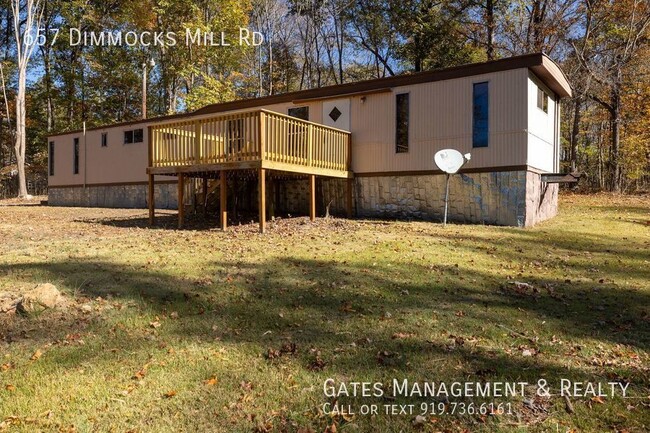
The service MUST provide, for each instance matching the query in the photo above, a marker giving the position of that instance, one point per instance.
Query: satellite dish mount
(449, 161)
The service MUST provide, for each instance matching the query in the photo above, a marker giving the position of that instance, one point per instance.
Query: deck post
(312, 197)
(152, 213)
(262, 199)
(181, 199)
(348, 196)
(204, 196)
(223, 200)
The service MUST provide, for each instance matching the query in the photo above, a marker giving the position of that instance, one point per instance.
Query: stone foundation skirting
(541, 199)
(511, 198)
(114, 196)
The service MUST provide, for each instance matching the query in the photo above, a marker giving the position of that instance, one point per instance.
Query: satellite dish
(450, 160)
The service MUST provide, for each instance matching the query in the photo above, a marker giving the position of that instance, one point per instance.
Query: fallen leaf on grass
(211, 382)
(36, 355)
(598, 399)
(7, 366)
(272, 354)
(388, 359)
(317, 364)
(10, 388)
(402, 335)
(419, 421)
(155, 325)
(169, 394)
(264, 427)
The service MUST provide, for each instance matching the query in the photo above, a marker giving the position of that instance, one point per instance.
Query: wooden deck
(253, 139)
(260, 140)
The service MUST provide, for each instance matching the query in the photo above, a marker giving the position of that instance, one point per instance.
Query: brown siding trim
(432, 172)
(123, 124)
(534, 61)
(519, 62)
(366, 174)
(80, 185)
(343, 95)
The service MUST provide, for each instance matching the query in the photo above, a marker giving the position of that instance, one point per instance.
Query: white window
(133, 136)
(542, 100)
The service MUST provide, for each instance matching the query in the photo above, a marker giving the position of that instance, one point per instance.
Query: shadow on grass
(340, 309)
(164, 221)
(573, 251)
(192, 221)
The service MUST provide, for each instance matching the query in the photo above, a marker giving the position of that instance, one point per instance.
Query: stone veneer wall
(294, 196)
(513, 198)
(541, 199)
(333, 193)
(490, 198)
(115, 196)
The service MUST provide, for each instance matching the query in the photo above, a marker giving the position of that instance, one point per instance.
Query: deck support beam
(204, 196)
(181, 199)
(223, 200)
(262, 199)
(348, 196)
(152, 212)
(312, 197)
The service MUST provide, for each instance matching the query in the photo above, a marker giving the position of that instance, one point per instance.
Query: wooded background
(603, 47)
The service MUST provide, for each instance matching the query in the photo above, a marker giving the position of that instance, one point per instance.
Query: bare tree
(614, 36)
(25, 43)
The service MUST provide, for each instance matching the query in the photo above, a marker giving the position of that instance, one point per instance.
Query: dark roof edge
(535, 62)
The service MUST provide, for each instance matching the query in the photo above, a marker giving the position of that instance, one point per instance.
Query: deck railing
(259, 135)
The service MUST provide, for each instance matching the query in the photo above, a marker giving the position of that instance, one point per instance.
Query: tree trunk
(45, 52)
(417, 62)
(489, 23)
(575, 131)
(21, 141)
(615, 141)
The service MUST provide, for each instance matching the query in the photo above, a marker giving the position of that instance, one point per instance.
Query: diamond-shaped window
(335, 114)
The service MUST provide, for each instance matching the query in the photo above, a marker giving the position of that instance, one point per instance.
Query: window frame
(480, 137)
(302, 107)
(50, 156)
(126, 135)
(542, 97)
(400, 147)
(104, 140)
(132, 132)
(75, 156)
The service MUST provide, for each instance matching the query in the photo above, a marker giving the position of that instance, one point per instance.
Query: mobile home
(363, 148)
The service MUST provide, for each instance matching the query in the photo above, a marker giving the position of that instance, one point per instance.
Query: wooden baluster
(261, 135)
(198, 142)
(310, 144)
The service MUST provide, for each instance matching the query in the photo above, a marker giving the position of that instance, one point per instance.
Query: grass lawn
(198, 330)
